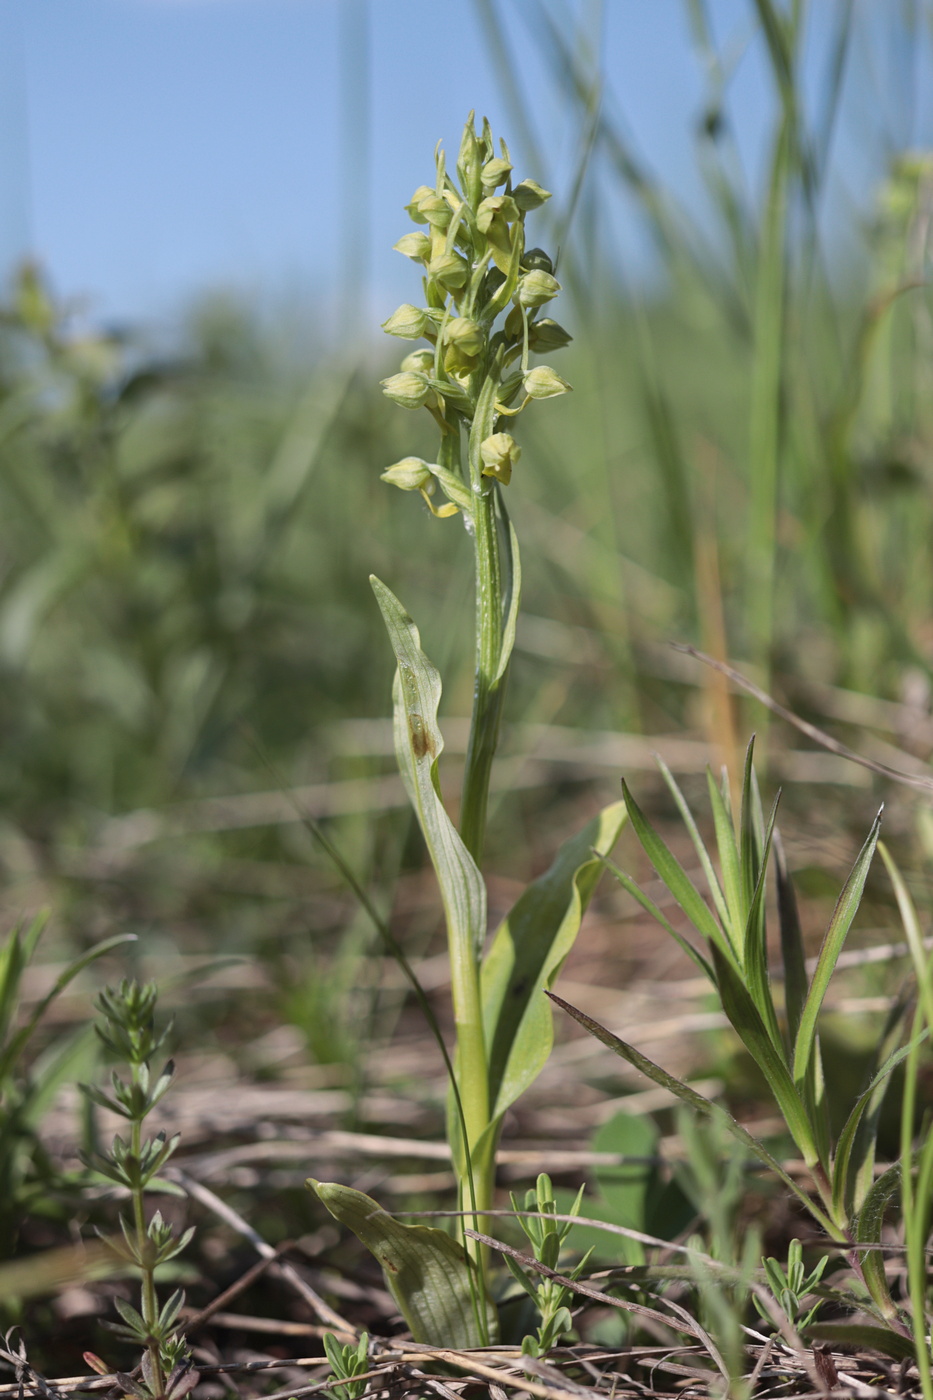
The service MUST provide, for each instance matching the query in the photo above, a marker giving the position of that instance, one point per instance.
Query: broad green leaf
(650, 907)
(425, 1270)
(699, 1104)
(868, 1231)
(745, 1018)
(699, 846)
(527, 953)
(675, 877)
(839, 925)
(792, 952)
(859, 1335)
(418, 745)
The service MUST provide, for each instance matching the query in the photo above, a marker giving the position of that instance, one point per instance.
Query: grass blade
(651, 908)
(796, 983)
(699, 846)
(739, 1006)
(839, 925)
(699, 1104)
(675, 877)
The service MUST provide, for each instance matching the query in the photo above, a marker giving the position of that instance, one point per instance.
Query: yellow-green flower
(500, 453)
(544, 383)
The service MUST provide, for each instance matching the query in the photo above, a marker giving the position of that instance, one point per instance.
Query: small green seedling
(128, 1032)
(347, 1361)
(790, 1289)
(547, 1237)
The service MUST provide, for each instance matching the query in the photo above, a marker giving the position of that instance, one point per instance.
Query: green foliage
(790, 1286)
(550, 1298)
(427, 1273)
(127, 1031)
(29, 1082)
(347, 1361)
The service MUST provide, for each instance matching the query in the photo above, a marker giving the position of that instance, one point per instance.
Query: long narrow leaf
(651, 908)
(699, 845)
(699, 1104)
(675, 877)
(868, 1231)
(749, 1025)
(792, 951)
(728, 862)
(754, 943)
(839, 925)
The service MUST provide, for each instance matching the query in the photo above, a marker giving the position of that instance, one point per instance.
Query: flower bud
(534, 259)
(529, 195)
(450, 270)
(408, 322)
(409, 389)
(496, 208)
(414, 205)
(514, 324)
(543, 383)
(495, 172)
(414, 245)
(435, 209)
(535, 288)
(420, 361)
(546, 335)
(410, 474)
(466, 334)
(500, 453)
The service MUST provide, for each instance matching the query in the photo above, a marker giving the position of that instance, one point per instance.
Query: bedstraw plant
(483, 317)
(127, 1031)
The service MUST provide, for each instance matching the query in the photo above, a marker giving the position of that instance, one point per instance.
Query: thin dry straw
(818, 736)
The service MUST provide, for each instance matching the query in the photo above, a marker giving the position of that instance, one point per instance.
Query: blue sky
(151, 149)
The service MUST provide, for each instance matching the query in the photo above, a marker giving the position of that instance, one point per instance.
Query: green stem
(149, 1298)
(489, 684)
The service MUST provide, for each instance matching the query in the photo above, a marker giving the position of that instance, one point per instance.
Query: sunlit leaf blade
(425, 1270)
(651, 908)
(728, 861)
(749, 850)
(674, 876)
(699, 846)
(418, 745)
(754, 943)
(839, 925)
(854, 1334)
(750, 1027)
(698, 1103)
(912, 930)
(796, 983)
(527, 953)
(51, 1270)
(513, 562)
